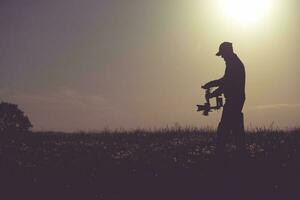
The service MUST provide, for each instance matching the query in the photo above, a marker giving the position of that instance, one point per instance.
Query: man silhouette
(232, 85)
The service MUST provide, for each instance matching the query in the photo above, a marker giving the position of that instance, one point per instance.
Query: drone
(206, 108)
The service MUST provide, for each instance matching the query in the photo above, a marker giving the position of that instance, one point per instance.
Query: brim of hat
(218, 54)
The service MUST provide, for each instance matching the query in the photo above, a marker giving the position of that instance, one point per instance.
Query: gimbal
(206, 108)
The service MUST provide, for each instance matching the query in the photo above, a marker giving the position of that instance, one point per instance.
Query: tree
(12, 119)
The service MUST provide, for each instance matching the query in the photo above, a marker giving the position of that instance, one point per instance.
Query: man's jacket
(232, 85)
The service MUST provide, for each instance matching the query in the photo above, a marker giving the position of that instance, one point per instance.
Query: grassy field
(171, 163)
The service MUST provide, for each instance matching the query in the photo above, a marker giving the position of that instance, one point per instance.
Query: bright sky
(93, 64)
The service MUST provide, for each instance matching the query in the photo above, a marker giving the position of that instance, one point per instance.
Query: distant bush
(12, 119)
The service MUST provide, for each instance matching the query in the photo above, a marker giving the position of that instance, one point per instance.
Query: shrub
(12, 119)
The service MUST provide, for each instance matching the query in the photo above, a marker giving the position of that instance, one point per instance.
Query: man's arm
(214, 83)
(216, 93)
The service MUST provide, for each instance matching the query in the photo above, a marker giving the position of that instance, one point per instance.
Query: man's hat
(225, 47)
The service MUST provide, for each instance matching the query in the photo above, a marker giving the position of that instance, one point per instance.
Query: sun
(246, 11)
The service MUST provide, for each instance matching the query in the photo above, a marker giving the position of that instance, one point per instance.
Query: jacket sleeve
(217, 92)
(215, 83)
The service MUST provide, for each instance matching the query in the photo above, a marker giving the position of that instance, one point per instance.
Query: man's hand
(206, 86)
(215, 83)
(209, 85)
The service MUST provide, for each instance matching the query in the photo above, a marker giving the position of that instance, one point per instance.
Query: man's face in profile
(226, 55)
(223, 55)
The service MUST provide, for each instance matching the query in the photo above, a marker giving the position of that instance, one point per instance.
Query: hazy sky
(86, 65)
